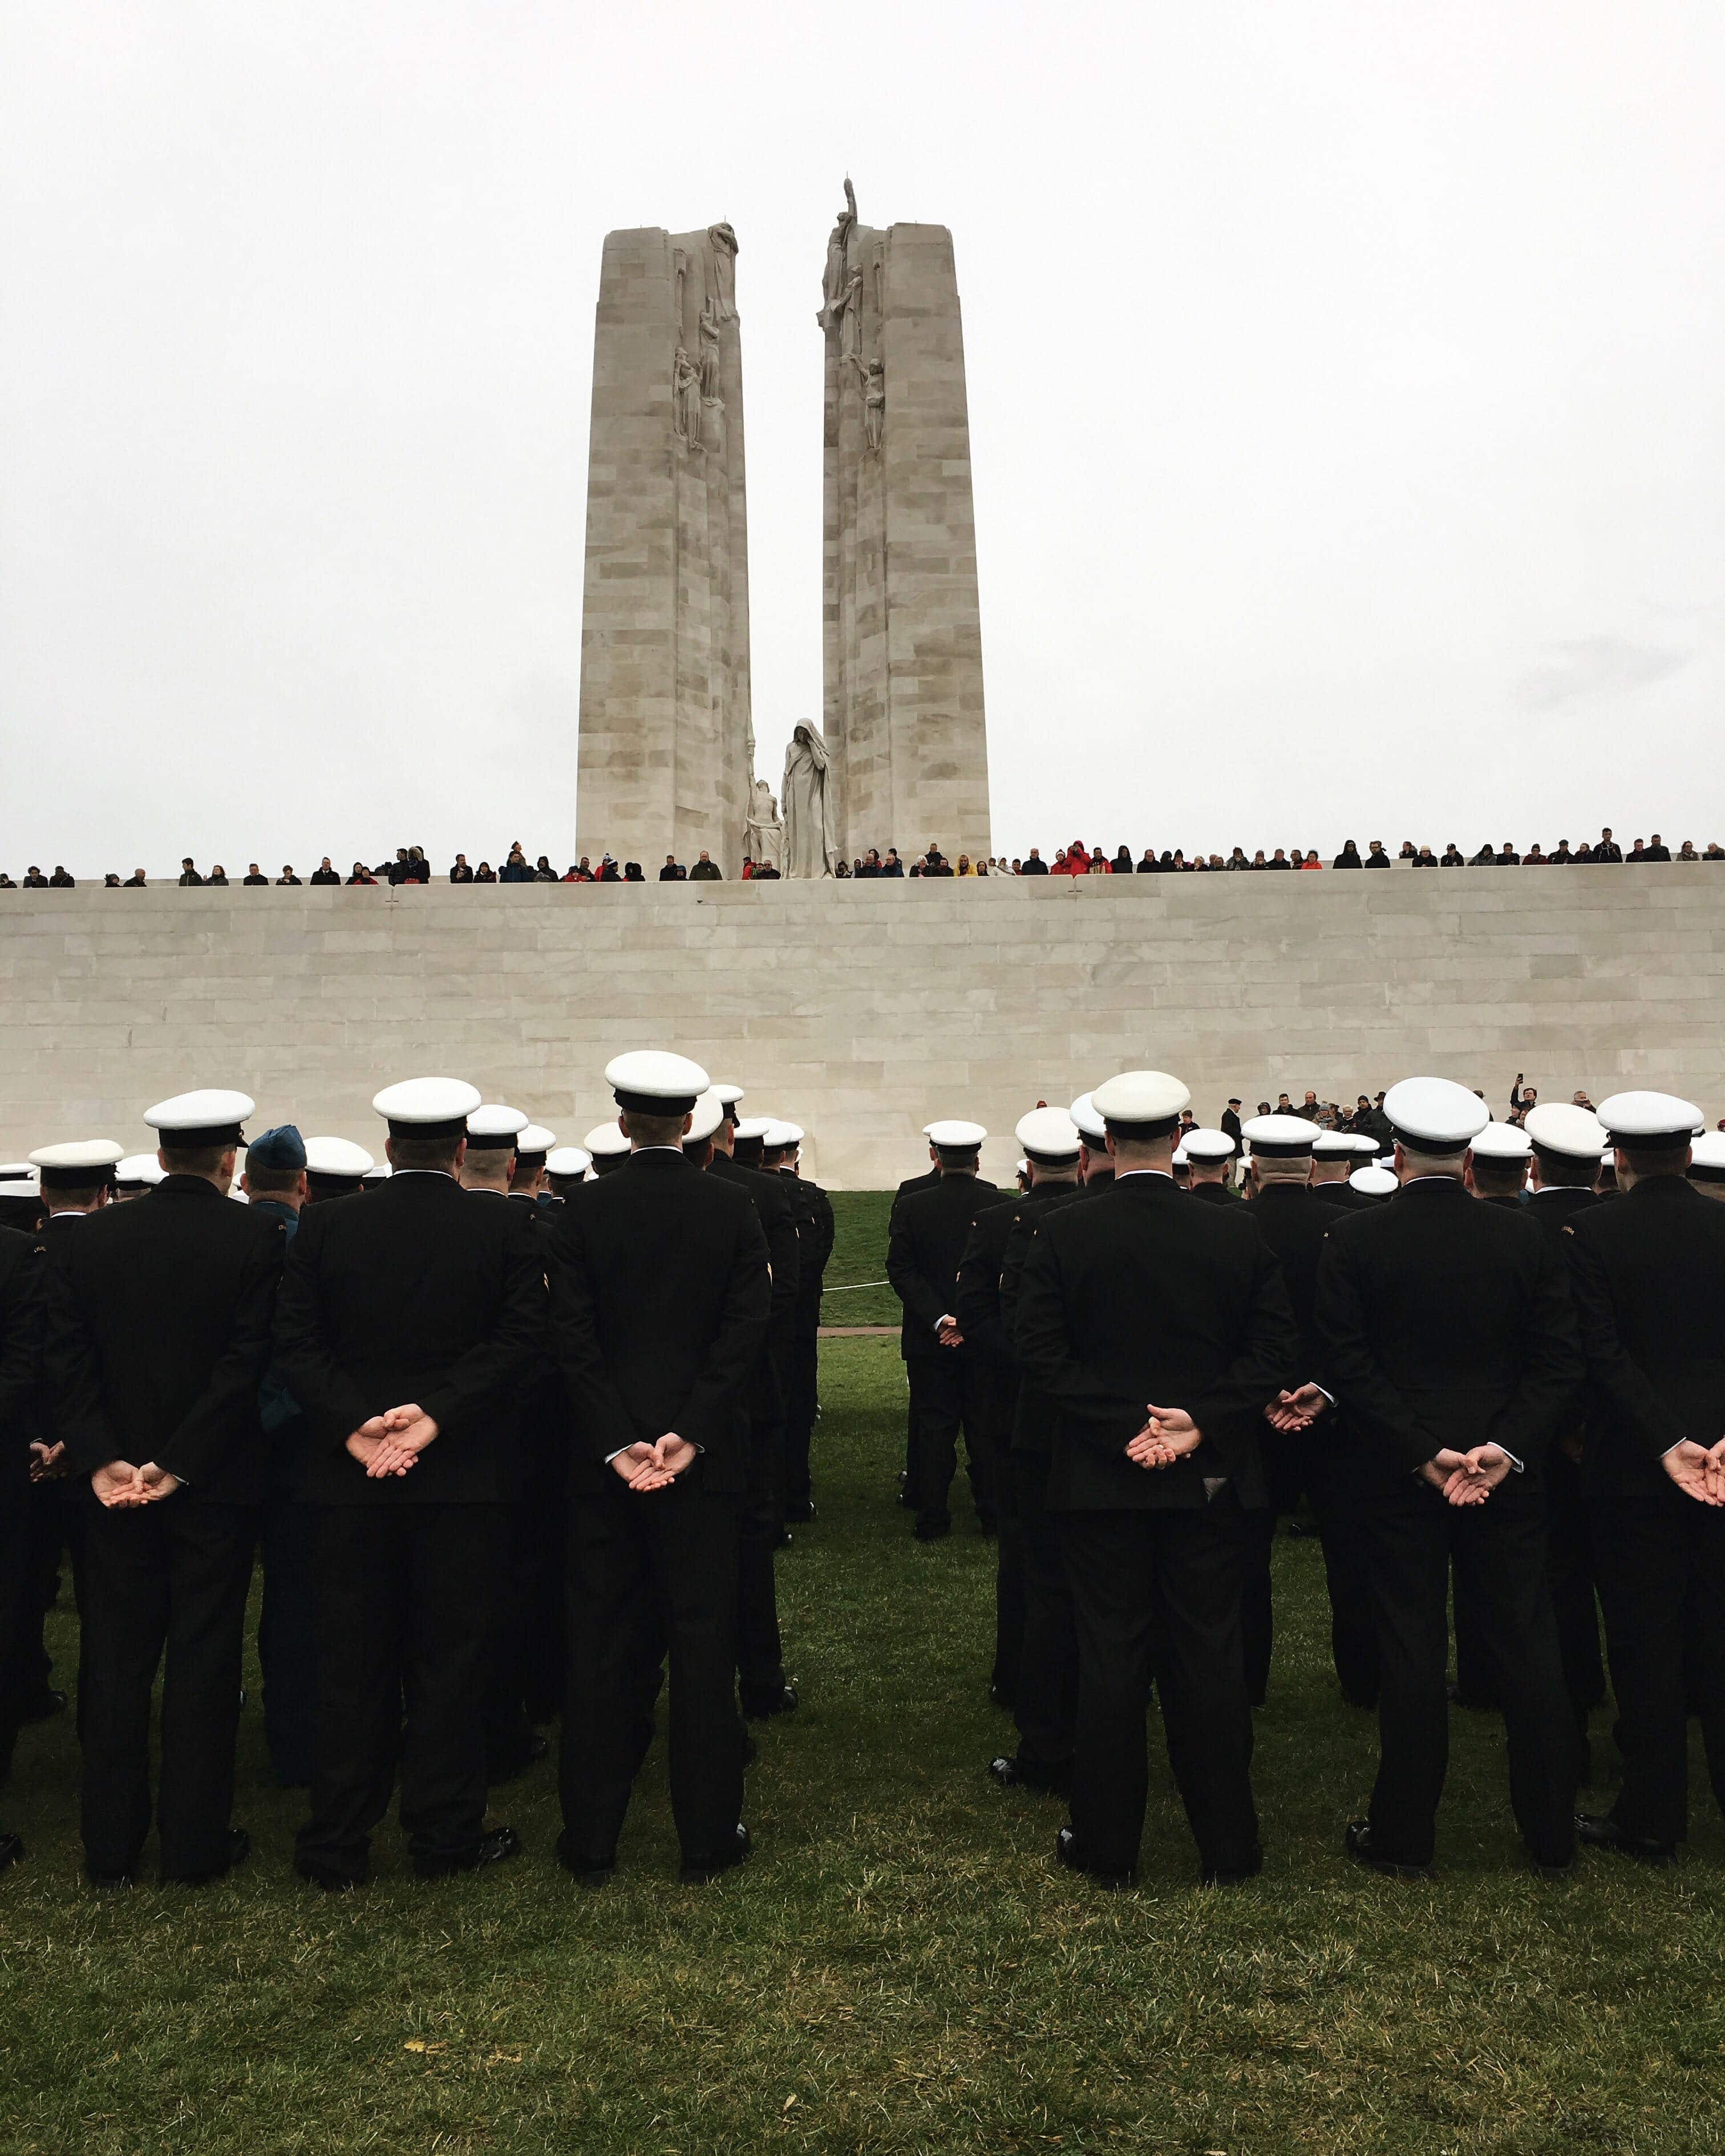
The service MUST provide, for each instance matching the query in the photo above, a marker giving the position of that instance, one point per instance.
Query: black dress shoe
(492, 1847)
(526, 1755)
(933, 1531)
(11, 1849)
(1067, 1853)
(762, 1705)
(111, 1882)
(1003, 1696)
(1013, 1771)
(42, 1706)
(1554, 1871)
(332, 1882)
(1361, 1847)
(590, 1871)
(1604, 1833)
(798, 1509)
(238, 1848)
(697, 1871)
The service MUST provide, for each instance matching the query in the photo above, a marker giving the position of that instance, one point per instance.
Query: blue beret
(282, 1149)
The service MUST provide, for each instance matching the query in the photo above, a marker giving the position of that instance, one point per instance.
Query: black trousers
(760, 1650)
(164, 1584)
(287, 1637)
(54, 1522)
(651, 1576)
(1569, 1555)
(1662, 1569)
(1009, 1577)
(1157, 1594)
(1046, 1709)
(16, 1598)
(1410, 1532)
(802, 1403)
(405, 1594)
(951, 1390)
(1323, 1469)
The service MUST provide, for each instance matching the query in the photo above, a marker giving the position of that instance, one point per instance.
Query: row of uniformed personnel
(1527, 1390)
(389, 1383)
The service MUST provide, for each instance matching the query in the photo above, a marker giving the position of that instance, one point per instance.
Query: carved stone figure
(811, 840)
(686, 391)
(724, 272)
(709, 354)
(764, 834)
(874, 405)
(850, 315)
(838, 270)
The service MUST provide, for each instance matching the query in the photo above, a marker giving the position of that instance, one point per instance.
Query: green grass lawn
(860, 1223)
(902, 1968)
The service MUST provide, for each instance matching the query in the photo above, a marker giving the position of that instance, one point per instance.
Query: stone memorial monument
(904, 723)
(811, 841)
(665, 756)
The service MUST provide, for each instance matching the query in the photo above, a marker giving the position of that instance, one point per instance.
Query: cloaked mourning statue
(807, 804)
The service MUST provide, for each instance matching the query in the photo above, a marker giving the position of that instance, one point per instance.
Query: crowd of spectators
(410, 865)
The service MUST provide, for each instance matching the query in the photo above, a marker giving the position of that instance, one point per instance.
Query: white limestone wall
(864, 1010)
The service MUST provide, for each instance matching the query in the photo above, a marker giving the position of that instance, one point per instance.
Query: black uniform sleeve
(1230, 1411)
(978, 1296)
(228, 1401)
(73, 1372)
(1623, 1385)
(784, 1254)
(1044, 1354)
(22, 1296)
(1353, 1371)
(707, 1416)
(601, 1421)
(495, 1369)
(304, 1358)
(825, 1231)
(922, 1304)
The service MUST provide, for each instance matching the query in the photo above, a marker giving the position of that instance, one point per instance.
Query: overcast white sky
(1346, 393)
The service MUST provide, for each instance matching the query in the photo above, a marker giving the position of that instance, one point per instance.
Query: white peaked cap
(1208, 1145)
(1435, 1113)
(782, 1137)
(534, 1138)
(1501, 1142)
(1374, 1182)
(1331, 1145)
(663, 1084)
(79, 1152)
(1048, 1134)
(1362, 1144)
(728, 1095)
(1560, 1126)
(495, 1125)
(753, 1126)
(605, 1140)
(1142, 1096)
(379, 1173)
(1638, 1118)
(426, 1101)
(140, 1167)
(1083, 1112)
(956, 1136)
(569, 1160)
(336, 1157)
(1279, 1137)
(1182, 1159)
(212, 1109)
(704, 1117)
(1707, 1153)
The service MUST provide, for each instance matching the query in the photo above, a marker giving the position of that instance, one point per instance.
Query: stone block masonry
(666, 745)
(860, 1010)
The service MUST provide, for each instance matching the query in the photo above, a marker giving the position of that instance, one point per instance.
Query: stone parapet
(860, 1010)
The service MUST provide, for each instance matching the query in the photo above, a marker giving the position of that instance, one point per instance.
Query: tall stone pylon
(665, 742)
(904, 720)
